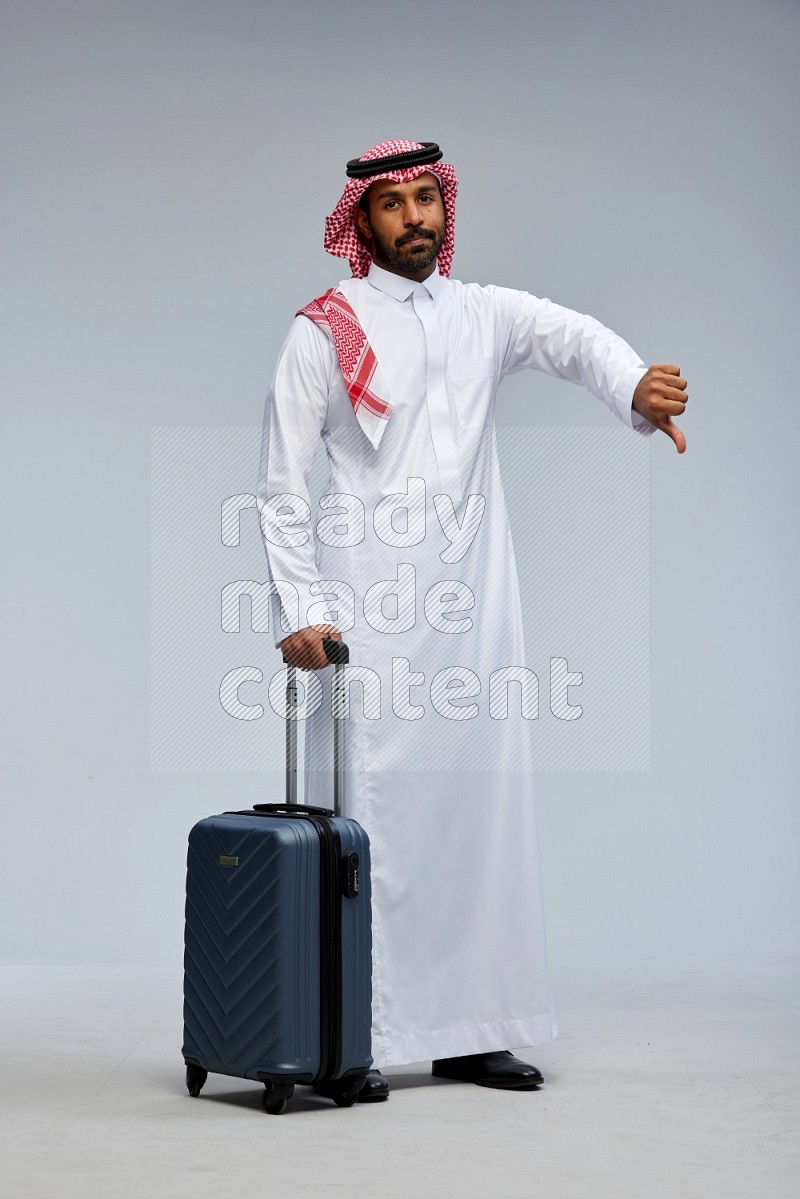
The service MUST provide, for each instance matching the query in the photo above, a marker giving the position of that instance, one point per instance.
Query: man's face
(405, 227)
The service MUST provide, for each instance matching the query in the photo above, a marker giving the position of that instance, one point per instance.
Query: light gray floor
(685, 1087)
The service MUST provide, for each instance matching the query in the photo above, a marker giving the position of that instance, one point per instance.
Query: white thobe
(438, 763)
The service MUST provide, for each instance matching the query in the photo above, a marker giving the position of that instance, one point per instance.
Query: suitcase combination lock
(350, 875)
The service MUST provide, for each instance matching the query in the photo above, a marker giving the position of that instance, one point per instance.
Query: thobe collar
(400, 288)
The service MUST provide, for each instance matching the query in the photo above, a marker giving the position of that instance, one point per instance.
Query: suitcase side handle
(292, 809)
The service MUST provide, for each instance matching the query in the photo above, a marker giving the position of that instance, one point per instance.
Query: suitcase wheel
(276, 1098)
(345, 1092)
(195, 1078)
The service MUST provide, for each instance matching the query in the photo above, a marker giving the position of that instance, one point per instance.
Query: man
(397, 369)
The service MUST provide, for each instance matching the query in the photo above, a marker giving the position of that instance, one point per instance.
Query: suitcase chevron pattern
(250, 999)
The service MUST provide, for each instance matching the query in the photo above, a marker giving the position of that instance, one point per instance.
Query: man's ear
(363, 225)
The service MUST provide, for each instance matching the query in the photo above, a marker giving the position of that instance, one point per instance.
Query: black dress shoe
(376, 1087)
(501, 1070)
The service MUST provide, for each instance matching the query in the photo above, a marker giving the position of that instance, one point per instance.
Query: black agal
(358, 168)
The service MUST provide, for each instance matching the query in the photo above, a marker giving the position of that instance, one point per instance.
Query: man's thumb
(673, 432)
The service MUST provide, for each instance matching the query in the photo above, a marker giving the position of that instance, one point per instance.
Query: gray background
(169, 168)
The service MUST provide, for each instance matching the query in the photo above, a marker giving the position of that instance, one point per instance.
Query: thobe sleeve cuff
(297, 605)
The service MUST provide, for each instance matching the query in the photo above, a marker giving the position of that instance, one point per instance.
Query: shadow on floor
(305, 1098)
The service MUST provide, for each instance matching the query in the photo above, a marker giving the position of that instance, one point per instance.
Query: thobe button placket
(436, 394)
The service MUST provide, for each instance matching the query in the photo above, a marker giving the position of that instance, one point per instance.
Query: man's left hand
(661, 394)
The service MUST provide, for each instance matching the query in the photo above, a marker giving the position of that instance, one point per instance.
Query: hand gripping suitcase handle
(336, 651)
(339, 654)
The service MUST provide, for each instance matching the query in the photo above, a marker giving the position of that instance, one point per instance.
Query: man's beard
(399, 258)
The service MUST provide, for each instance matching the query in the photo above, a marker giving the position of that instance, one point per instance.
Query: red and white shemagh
(341, 231)
(362, 375)
(356, 358)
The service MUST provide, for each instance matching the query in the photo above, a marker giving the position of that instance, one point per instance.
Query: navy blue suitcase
(278, 943)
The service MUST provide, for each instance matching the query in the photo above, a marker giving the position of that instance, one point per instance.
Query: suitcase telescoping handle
(339, 655)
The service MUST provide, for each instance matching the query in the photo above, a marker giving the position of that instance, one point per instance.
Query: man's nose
(413, 216)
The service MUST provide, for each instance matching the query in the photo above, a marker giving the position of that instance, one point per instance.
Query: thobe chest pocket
(471, 385)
